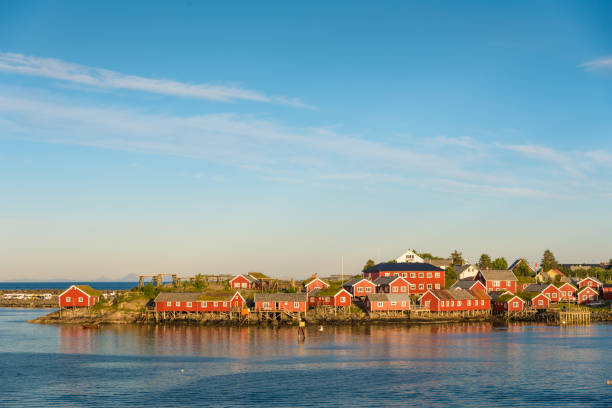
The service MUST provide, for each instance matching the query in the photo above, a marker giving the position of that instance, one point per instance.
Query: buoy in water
(609, 382)
(182, 371)
(320, 328)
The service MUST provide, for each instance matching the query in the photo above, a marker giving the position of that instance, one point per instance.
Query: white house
(409, 256)
(466, 272)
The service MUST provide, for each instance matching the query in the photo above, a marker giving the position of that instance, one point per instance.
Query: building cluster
(398, 286)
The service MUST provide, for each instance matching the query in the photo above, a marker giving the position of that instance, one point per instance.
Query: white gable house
(409, 256)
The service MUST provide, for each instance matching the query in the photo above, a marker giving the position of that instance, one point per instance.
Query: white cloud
(600, 157)
(566, 161)
(600, 63)
(107, 79)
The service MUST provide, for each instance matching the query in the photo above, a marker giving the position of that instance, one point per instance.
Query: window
(387, 274)
(469, 303)
(296, 305)
(458, 303)
(178, 303)
(562, 293)
(224, 304)
(67, 298)
(412, 286)
(452, 303)
(554, 295)
(80, 300)
(429, 286)
(437, 275)
(495, 284)
(421, 286)
(266, 304)
(404, 289)
(412, 275)
(368, 289)
(215, 304)
(342, 299)
(427, 303)
(508, 283)
(312, 300)
(204, 304)
(189, 304)
(515, 304)
(404, 304)
(395, 289)
(380, 304)
(396, 274)
(286, 303)
(393, 303)
(327, 298)
(429, 275)
(360, 289)
(244, 284)
(482, 302)
(421, 275)
(168, 304)
(404, 275)
(540, 302)
(437, 286)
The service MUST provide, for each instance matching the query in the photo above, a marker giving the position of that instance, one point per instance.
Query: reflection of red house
(199, 302)
(315, 283)
(359, 288)
(79, 296)
(587, 294)
(333, 297)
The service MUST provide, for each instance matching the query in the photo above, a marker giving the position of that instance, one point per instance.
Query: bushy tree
(484, 262)
(450, 277)
(522, 269)
(150, 291)
(499, 263)
(199, 282)
(457, 257)
(370, 263)
(549, 261)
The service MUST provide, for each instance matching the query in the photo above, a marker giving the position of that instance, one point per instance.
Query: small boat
(91, 326)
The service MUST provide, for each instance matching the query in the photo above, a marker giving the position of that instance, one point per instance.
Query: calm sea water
(438, 366)
(64, 285)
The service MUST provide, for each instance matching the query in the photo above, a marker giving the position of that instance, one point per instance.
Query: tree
(370, 263)
(150, 291)
(457, 258)
(450, 277)
(522, 269)
(548, 261)
(499, 263)
(484, 262)
(199, 281)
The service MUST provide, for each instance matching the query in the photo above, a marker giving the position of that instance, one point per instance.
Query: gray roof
(390, 297)
(458, 269)
(384, 280)
(178, 297)
(535, 287)
(497, 294)
(281, 297)
(463, 284)
(440, 263)
(498, 274)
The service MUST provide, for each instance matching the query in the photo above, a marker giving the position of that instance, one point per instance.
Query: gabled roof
(585, 288)
(460, 268)
(464, 284)
(497, 294)
(535, 287)
(257, 275)
(281, 297)
(403, 267)
(315, 279)
(247, 277)
(517, 262)
(389, 297)
(354, 281)
(561, 284)
(498, 274)
(89, 290)
(178, 297)
(440, 263)
(329, 291)
(594, 279)
(222, 296)
(507, 297)
(386, 280)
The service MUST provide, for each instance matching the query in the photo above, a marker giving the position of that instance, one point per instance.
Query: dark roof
(535, 287)
(460, 268)
(440, 263)
(459, 294)
(498, 274)
(403, 266)
(178, 297)
(464, 284)
(280, 297)
(497, 294)
(384, 280)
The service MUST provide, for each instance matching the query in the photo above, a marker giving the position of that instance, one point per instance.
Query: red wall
(415, 279)
(387, 306)
(286, 306)
(74, 294)
(588, 295)
(201, 306)
(315, 284)
(541, 297)
(330, 300)
(567, 288)
(553, 293)
(238, 281)
(364, 285)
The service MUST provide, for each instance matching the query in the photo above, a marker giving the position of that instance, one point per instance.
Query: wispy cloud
(107, 79)
(549, 155)
(600, 63)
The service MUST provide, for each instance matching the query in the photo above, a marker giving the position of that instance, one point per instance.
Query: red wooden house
(422, 276)
(387, 302)
(568, 292)
(360, 287)
(390, 284)
(469, 285)
(79, 296)
(540, 301)
(453, 300)
(315, 283)
(587, 294)
(199, 302)
(332, 297)
(288, 302)
(590, 282)
(506, 302)
(244, 282)
(497, 280)
(553, 293)
(607, 291)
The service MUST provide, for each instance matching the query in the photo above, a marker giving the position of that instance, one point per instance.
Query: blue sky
(224, 137)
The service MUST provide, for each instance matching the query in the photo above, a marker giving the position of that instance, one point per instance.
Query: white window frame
(189, 304)
(296, 305)
(421, 275)
(169, 304)
(177, 303)
(68, 298)
(429, 275)
(380, 304)
(368, 289)
(437, 286)
(437, 274)
(215, 304)
(412, 275)
(359, 289)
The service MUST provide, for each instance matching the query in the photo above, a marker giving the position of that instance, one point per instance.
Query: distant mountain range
(132, 277)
